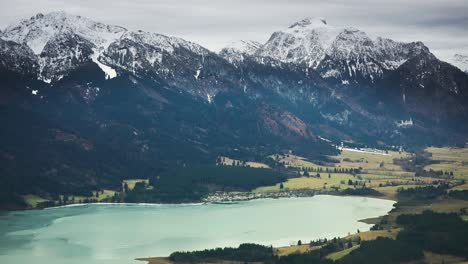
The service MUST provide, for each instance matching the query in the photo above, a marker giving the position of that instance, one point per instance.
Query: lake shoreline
(223, 197)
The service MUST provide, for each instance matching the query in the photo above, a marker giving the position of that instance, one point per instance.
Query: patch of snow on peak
(304, 41)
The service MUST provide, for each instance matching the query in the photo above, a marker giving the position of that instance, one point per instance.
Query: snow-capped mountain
(174, 61)
(81, 39)
(61, 43)
(297, 63)
(140, 52)
(343, 54)
(303, 42)
(38, 30)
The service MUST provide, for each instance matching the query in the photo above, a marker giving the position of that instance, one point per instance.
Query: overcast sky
(441, 24)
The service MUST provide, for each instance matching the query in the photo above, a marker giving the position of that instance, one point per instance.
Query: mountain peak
(310, 22)
(40, 28)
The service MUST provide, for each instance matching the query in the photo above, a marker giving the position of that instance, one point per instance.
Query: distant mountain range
(84, 104)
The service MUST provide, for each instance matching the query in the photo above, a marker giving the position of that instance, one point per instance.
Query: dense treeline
(439, 233)
(432, 192)
(423, 193)
(192, 183)
(9, 199)
(245, 253)
(416, 162)
(462, 194)
(383, 251)
(362, 191)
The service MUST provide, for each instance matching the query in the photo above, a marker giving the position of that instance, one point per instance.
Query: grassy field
(371, 163)
(378, 171)
(373, 234)
(104, 194)
(450, 159)
(460, 187)
(33, 200)
(283, 251)
(290, 160)
(337, 255)
(339, 180)
(131, 182)
(234, 162)
(254, 164)
(365, 236)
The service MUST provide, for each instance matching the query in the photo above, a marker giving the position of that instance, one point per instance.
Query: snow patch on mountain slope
(197, 74)
(63, 42)
(108, 71)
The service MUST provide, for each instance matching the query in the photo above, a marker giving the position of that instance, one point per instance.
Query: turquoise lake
(119, 233)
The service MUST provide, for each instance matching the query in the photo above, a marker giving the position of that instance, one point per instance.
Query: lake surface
(100, 233)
